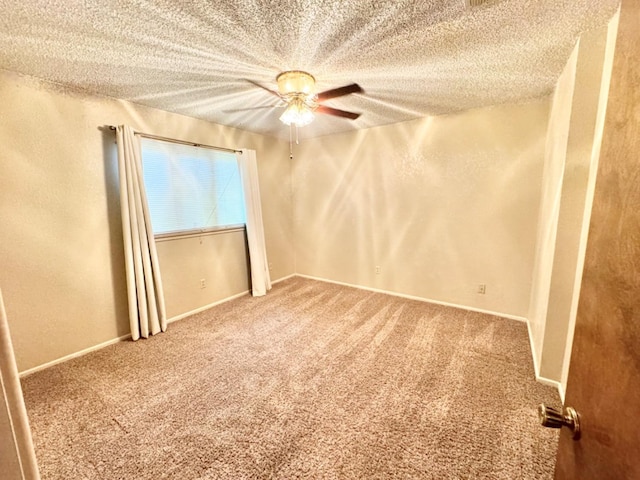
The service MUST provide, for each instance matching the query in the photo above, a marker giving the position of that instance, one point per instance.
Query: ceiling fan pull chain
(290, 141)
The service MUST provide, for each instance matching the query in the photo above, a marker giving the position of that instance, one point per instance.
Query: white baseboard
(218, 302)
(126, 337)
(73, 355)
(536, 368)
(545, 381)
(552, 383)
(561, 392)
(282, 279)
(211, 305)
(420, 299)
(206, 307)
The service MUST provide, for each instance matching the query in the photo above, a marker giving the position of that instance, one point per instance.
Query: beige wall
(580, 165)
(575, 129)
(226, 271)
(440, 204)
(607, 69)
(554, 160)
(62, 267)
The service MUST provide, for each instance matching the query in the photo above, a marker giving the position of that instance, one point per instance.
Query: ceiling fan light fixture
(296, 82)
(297, 91)
(297, 113)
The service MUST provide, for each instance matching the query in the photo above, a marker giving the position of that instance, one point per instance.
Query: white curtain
(24, 465)
(260, 278)
(144, 285)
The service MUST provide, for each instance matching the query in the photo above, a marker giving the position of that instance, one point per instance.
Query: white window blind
(191, 188)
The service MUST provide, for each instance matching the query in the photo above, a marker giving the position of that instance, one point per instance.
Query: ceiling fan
(296, 89)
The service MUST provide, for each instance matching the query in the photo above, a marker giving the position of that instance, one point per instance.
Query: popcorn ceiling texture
(414, 58)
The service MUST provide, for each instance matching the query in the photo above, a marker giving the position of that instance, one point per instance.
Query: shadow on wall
(440, 205)
(112, 188)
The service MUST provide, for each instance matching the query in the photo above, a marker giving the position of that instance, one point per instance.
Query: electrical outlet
(203, 283)
(270, 266)
(482, 288)
(378, 271)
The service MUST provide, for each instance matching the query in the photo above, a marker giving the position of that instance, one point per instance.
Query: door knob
(553, 418)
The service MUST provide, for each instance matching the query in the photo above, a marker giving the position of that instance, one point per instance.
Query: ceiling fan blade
(272, 92)
(337, 112)
(339, 92)
(233, 110)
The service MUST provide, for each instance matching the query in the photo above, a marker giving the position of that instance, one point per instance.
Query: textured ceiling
(413, 58)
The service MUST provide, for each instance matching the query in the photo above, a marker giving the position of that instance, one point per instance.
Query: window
(191, 188)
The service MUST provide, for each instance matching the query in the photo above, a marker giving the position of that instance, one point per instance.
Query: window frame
(192, 232)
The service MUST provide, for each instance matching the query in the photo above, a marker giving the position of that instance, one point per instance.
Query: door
(604, 374)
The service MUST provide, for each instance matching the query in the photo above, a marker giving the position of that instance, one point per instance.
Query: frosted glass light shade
(296, 81)
(297, 113)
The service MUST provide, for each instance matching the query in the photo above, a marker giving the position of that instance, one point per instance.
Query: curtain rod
(181, 142)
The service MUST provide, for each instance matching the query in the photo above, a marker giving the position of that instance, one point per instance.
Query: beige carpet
(312, 381)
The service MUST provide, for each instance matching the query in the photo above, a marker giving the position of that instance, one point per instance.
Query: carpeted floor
(312, 381)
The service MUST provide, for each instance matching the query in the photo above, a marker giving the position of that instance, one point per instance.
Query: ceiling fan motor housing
(296, 82)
